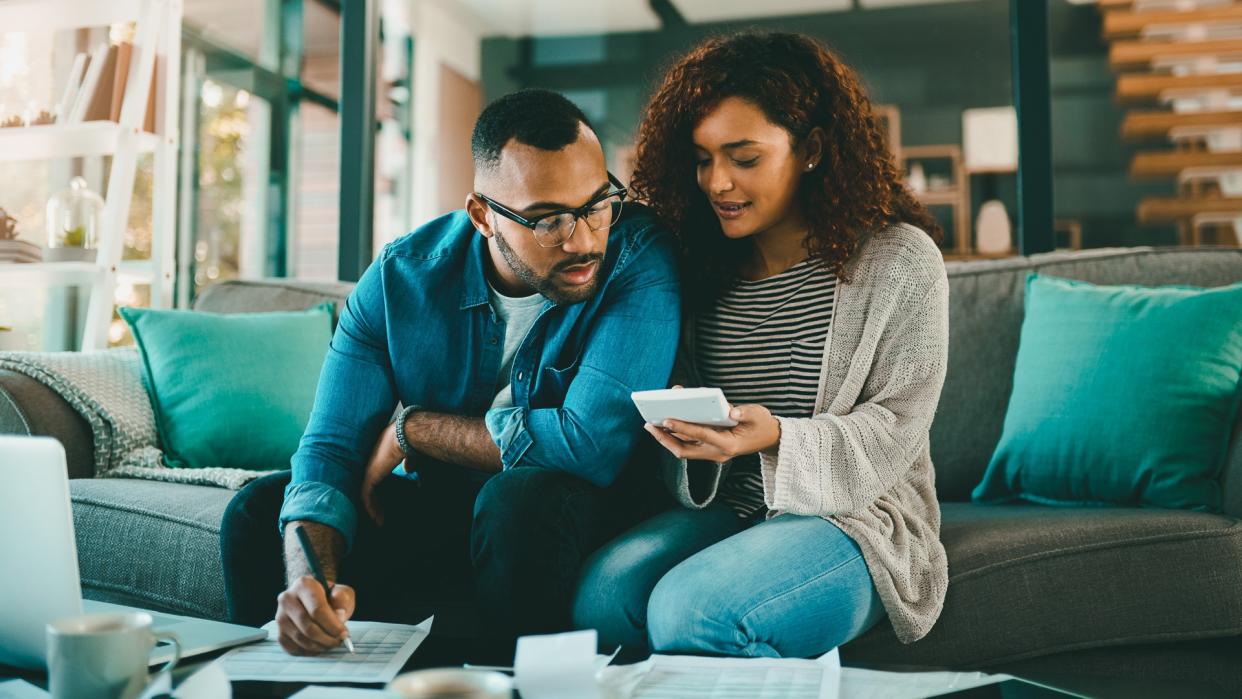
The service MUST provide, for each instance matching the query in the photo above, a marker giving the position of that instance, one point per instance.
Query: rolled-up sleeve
(630, 348)
(355, 398)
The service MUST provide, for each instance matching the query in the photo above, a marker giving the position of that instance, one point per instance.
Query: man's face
(531, 182)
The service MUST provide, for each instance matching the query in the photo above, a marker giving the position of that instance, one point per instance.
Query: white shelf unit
(157, 35)
(67, 141)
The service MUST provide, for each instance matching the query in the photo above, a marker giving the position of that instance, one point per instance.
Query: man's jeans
(516, 540)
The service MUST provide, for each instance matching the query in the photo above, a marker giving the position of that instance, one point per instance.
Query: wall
(932, 61)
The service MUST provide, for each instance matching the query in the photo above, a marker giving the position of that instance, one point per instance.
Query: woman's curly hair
(799, 85)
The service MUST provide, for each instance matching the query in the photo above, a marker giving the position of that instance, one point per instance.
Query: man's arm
(354, 399)
(453, 439)
(328, 544)
(308, 622)
(630, 348)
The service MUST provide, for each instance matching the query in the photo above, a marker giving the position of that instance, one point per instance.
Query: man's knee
(255, 505)
(529, 498)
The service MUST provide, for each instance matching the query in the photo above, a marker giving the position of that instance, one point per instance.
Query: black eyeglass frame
(579, 213)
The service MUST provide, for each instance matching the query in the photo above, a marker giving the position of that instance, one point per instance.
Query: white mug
(103, 656)
(452, 683)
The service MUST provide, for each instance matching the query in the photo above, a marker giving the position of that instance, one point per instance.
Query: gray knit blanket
(106, 388)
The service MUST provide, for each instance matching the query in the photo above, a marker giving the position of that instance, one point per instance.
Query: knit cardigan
(863, 461)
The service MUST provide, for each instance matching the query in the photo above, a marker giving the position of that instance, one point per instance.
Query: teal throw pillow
(1122, 395)
(231, 390)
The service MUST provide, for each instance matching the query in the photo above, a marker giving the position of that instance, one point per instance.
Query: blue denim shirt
(419, 329)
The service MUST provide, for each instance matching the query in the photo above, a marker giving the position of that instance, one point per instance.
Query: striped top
(763, 342)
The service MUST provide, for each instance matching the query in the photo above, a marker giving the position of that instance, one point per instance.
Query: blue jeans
(704, 582)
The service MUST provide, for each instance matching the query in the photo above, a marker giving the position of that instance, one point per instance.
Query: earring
(810, 166)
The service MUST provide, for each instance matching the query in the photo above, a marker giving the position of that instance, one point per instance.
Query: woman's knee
(701, 607)
(689, 612)
(611, 599)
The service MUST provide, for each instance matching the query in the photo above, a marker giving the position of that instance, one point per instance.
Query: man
(513, 333)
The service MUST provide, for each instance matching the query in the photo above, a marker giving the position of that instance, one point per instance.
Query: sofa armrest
(28, 407)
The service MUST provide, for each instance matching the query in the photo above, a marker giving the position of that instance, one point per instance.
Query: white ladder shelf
(157, 34)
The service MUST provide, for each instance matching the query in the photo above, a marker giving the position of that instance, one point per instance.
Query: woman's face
(749, 170)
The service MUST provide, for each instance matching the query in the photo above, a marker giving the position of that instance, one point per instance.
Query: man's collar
(474, 289)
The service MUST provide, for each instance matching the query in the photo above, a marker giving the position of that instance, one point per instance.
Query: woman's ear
(813, 149)
(477, 209)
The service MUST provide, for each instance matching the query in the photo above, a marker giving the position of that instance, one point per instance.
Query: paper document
(382, 650)
(857, 683)
(556, 666)
(686, 677)
(317, 692)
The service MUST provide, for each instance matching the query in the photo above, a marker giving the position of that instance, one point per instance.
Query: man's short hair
(541, 118)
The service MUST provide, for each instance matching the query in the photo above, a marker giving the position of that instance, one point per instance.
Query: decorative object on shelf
(74, 217)
(8, 226)
(937, 179)
(917, 181)
(990, 139)
(12, 249)
(42, 118)
(12, 122)
(989, 148)
(993, 232)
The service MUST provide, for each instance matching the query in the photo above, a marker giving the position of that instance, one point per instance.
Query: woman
(817, 300)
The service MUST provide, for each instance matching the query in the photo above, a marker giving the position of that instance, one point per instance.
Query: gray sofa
(1147, 594)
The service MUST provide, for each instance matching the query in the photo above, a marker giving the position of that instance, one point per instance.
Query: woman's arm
(840, 464)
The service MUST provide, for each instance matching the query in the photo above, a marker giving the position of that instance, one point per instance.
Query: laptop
(39, 556)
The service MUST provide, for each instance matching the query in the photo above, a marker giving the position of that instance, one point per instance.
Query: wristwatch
(399, 426)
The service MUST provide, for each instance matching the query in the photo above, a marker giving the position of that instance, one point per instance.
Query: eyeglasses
(555, 227)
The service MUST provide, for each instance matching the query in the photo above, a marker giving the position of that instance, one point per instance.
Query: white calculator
(703, 406)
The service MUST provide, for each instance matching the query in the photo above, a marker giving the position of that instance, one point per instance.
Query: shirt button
(492, 341)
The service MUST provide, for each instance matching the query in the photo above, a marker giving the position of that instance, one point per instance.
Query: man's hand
(384, 458)
(308, 623)
(756, 430)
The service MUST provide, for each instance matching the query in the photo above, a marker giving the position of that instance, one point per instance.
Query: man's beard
(547, 285)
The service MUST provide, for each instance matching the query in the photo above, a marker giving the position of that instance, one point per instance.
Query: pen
(313, 562)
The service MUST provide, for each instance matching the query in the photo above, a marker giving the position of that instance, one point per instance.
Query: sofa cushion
(29, 407)
(985, 317)
(150, 544)
(1118, 575)
(212, 377)
(1123, 395)
(254, 296)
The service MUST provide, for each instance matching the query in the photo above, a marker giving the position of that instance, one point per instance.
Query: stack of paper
(382, 650)
(688, 677)
(19, 251)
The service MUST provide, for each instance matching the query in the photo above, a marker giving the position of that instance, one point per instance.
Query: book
(148, 123)
(71, 87)
(124, 53)
(20, 251)
(124, 62)
(93, 70)
(99, 108)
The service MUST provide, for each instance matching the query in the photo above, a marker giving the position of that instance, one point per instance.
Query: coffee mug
(103, 656)
(452, 683)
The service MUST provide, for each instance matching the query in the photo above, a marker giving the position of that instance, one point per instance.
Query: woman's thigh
(791, 586)
(617, 579)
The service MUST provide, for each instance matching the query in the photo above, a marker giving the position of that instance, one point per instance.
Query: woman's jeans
(708, 582)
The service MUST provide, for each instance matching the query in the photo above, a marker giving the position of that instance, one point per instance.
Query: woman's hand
(755, 431)
(384, 459)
